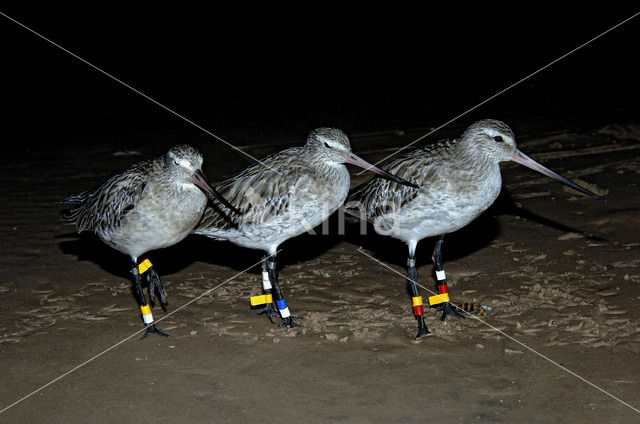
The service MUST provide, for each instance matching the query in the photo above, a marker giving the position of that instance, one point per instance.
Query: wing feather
(259, 192)
(379, 197)
(104, 209)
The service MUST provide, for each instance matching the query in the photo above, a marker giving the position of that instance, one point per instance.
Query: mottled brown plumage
(459, 179)
(283, 196)
(152, 205)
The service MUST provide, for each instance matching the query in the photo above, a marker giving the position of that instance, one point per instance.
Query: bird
(152, 205)
(459, 179)
(281, 197)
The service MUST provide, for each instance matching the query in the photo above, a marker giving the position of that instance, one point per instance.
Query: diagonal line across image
(110, 348)
(513, 339)
(504, 90)
(119, 81)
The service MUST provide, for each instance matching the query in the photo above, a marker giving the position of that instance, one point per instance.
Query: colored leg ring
(261, 300)
(144, 266)
(147, 316)
(266, 284)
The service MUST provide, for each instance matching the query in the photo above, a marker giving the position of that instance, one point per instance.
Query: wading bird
(152, 205)
(459, 179)
(281, 197)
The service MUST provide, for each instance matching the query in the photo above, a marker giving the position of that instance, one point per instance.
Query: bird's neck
(474, 160)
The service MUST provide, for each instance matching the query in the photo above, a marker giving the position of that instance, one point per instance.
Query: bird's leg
(447, 307)
(145, 308)
(154, 282)
(416, 299)
(287, 319)
(269, 308)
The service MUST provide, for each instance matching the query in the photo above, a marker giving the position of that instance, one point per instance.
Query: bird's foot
(449, 308)
(152, 329)
(270, 311)
(422, 328)
(288, 322)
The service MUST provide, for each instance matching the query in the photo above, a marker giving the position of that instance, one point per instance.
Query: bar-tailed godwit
(459, 179)
(152, 205)
(281, 197)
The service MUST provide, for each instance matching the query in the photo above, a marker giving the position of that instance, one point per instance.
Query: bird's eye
(498, 138)
(327, 145)
(175, 162)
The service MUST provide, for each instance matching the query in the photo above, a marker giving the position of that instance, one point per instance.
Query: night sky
(248, 72)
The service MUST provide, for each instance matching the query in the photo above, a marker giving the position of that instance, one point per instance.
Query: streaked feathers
(151, 205)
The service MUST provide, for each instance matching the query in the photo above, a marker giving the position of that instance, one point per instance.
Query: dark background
(249, 73)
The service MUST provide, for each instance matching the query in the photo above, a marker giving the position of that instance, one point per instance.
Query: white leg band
(440, 275)
(266, 284)
(284, 313)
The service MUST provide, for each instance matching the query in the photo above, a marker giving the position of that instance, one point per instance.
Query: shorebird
(459, 179)
(152, 205)
(281, 197)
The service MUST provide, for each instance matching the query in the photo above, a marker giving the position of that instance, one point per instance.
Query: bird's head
(333, 148)
(496, 141)
(491, 138)
(329, 144)
(183, 161)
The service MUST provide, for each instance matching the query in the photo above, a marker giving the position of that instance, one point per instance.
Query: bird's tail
(73, 207)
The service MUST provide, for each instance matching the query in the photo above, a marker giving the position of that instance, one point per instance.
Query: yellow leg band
(417, 301)
(144, 266)
(439, 298)
(147, 317)
(261, 300)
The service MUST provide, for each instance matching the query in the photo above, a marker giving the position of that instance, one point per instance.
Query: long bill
(354, 159)
(525, 160)
(201, 181)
